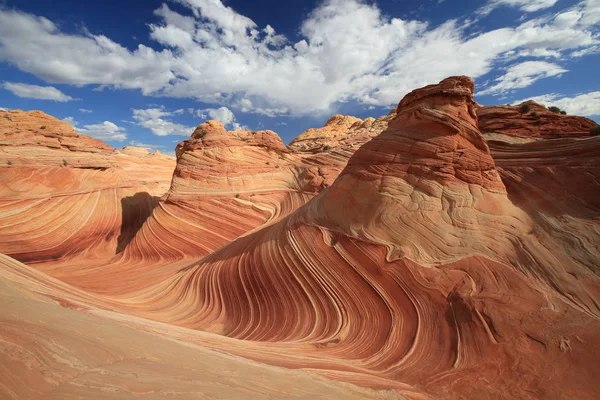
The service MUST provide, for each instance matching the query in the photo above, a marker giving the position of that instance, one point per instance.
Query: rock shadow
(135, 211)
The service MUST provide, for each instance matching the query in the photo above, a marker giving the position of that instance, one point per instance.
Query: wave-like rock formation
(436, 265)
(63, 194)
(50, 350)
(414, 268)
(228, 183)
(531, 120)
(225, 184)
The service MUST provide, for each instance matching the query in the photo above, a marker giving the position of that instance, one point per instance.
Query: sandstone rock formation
(330, 147)
(531, 120)
(414, 269)
(436, 265)
(250, 177)
(225, 184)
(53, 351)
(63, 194)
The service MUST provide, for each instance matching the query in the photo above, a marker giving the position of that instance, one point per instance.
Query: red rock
(537, 122)
(65, 195)
(414, 269)
(436, 265)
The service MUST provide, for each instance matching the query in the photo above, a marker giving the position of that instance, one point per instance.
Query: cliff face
(64, 195)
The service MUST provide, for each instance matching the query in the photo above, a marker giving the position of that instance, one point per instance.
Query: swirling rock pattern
(225, 185)
(250, 177)
(414, 266)
(435, 265)
(51, 350)
(64, 195)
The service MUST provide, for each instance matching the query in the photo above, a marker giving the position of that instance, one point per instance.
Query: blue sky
(146, 73)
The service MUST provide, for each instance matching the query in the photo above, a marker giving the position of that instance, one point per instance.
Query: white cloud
(106, 131)
(152, 118)
(522, 75)
(36, 92)
(3, 109)
(590, 10)
(148, 146)
(586, 52)
(223, 115)
(347, 50)
(523, 5)
(36, 45)
(85, 110)
(587, 104)
(71, 121)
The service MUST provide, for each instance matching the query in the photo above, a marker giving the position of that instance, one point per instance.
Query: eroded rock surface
(63, 194)
(531, 120)
(414, 254)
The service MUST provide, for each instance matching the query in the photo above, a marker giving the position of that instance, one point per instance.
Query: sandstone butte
(446, 250)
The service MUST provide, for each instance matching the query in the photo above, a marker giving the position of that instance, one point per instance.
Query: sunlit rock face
(431, 261)
(64, 195)
(226, 183)
(329, 148)
(531, 120)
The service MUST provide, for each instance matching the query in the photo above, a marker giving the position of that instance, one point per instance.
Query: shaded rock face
(61, 192)
(531, 120)
(436, 264)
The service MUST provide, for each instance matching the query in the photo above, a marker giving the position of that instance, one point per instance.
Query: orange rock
(437, 264)
(414, 269)
(531, 120)
(65, 195)
(225, 185)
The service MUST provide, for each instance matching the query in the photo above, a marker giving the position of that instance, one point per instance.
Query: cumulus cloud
(522, 75)
(106, 131)
(36, 92)
(153, 119)
(348, 50)
(3, 109)
(85, 110)
(36, 45)
(587, 104)
(223, 115)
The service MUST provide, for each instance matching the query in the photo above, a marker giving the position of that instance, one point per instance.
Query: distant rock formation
(226, 184)
(330, 147)
(531, 120)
